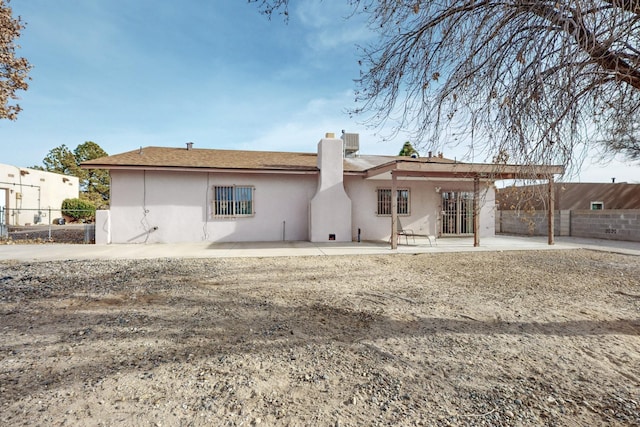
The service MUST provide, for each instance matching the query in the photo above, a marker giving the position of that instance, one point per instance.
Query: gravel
(473, 339)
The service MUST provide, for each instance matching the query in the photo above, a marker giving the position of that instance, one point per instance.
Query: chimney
(330, 207)
(189, 145)
(613, 180)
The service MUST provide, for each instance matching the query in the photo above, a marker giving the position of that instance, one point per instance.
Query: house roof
(197, 158)
(379, 167)
(213, 159)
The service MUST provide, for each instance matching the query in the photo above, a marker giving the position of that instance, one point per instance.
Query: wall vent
(351, 143)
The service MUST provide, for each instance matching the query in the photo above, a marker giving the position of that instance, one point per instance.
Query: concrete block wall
(614, 224)
(618, 224)
(564, 229)
(525, 223)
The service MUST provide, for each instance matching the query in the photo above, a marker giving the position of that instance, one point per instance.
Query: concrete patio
(49, 252)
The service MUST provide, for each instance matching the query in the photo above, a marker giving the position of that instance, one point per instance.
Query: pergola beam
(493, 172)
(550, 215)
(476, 212)
(394, 211)
(463, 171)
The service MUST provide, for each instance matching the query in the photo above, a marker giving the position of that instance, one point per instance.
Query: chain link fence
(45, 225)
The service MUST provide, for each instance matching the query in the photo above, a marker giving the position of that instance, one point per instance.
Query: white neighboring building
(30, 196)
(166, 195)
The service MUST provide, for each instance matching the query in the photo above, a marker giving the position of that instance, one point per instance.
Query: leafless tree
(625, 139)
(14, 71)
(537, 80)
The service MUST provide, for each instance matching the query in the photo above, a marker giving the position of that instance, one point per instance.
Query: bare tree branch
(531, 80)
(540, 80)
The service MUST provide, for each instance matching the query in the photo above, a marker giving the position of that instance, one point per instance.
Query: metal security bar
(384, 201)
(243, 201)
(403, 202)
(232, 201)
(457, 213)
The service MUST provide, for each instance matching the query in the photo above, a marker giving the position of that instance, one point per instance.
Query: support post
(394, 211)
(476, 213)
(550, 215)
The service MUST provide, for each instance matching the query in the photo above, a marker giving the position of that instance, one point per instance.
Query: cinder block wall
(614, 224)
(619, 224)
(525, 223)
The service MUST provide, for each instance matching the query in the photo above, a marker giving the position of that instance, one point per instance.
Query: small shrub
(79, 210)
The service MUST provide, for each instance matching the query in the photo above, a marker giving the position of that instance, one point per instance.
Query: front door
(457, 213)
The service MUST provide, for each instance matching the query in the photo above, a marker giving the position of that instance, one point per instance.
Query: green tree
(408, 150)
(537, 80)
(60, 160)
(14, 71)
(94, 183)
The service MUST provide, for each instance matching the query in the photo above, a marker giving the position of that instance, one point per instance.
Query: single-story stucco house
(162, 195)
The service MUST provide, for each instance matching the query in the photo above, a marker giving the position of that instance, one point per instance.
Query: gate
(457, 213)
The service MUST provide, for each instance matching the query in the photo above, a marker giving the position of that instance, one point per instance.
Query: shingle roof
(168, 157)
(198, 158)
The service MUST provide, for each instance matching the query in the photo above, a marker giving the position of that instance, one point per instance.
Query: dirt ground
(504, 338)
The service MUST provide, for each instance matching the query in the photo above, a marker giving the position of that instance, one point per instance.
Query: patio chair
(407, 232)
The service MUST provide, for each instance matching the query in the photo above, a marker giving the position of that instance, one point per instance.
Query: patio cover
(465, 171)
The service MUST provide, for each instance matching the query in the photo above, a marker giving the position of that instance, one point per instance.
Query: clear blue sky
(126, 74)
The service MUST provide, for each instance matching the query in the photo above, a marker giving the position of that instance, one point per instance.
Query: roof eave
(466, 170)
(298, 171)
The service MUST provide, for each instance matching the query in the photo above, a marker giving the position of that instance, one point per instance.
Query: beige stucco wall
(163, 207)
(32, 196)
(425, 206)
(488, 210)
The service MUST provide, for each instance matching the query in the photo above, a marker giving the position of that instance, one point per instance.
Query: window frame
(231, 201)
(404, 204)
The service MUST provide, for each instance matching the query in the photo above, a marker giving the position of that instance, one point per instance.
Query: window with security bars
(232, 201)
(384, 201)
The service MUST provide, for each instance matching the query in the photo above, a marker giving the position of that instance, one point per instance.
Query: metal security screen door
(457, 213)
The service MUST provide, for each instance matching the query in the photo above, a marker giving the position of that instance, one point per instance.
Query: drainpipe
(550, 213)
(394, 211)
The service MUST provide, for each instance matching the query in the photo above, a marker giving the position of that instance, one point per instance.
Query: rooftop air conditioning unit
(351, 143)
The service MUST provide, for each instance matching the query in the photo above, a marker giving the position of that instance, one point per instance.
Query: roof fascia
(204, 169)
(466, 170)
(381, 169)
